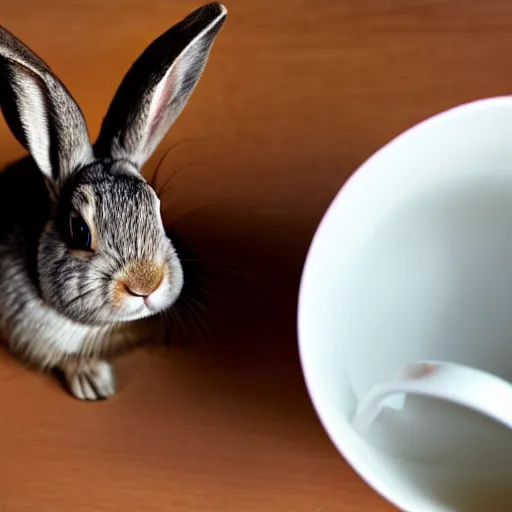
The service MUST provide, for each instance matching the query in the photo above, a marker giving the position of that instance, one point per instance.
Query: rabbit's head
(104, 256)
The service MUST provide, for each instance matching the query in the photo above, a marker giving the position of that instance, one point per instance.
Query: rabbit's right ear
(40, 111)
(157, 87)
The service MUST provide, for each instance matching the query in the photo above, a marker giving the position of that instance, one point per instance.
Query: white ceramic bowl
(346, 348)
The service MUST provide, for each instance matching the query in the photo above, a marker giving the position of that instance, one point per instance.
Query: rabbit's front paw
(90, 379)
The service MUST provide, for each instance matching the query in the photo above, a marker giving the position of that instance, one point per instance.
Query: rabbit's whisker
(173, 175)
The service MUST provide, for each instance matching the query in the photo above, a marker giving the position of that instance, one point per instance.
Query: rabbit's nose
(139, 293)
(143, 278)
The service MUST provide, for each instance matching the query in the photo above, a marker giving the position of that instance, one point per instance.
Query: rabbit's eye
(80, 233)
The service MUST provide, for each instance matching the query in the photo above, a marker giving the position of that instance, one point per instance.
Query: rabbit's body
(38, 333)
(86, 269)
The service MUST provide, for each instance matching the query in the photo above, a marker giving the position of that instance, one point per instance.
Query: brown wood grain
(295, 96)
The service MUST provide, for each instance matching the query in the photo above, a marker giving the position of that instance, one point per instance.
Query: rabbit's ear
(157, 87)
(40, 111)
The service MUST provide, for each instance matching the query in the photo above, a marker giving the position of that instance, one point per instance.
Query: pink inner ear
(162, 98)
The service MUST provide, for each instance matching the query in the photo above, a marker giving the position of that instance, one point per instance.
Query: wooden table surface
(295, 96)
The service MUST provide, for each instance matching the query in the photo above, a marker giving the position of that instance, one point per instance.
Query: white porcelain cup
(410, 271)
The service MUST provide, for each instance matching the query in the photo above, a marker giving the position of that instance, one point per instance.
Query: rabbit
(85, 262)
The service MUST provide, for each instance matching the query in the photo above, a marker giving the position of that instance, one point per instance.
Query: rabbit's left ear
(40, 111)
(157, 87)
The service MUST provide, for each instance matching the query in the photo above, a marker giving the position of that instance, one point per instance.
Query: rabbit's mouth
(137, 313)
(143, 311)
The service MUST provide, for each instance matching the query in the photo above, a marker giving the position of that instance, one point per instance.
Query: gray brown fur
(65, 308)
